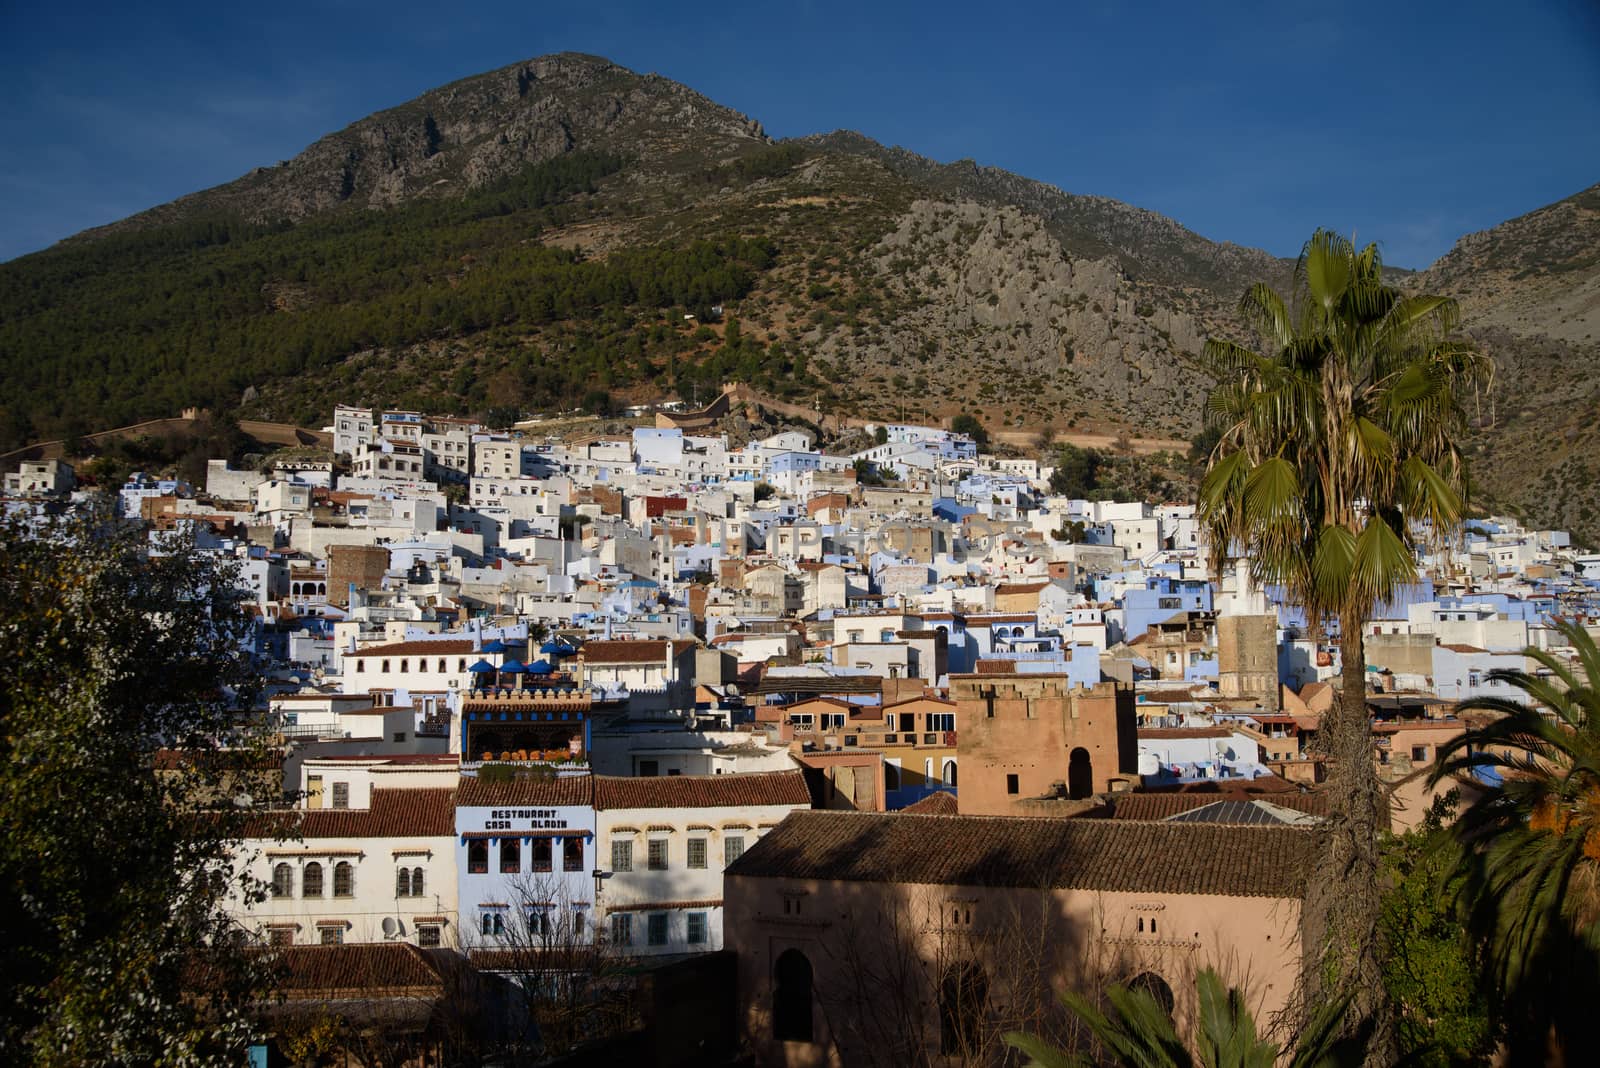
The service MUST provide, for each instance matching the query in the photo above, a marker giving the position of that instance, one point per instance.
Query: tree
(1077, 472)
(1139, 1032)
(1529, 863)
(880, 435)
(125, 777)
(1330, 444)
(971, 426)
(1431, 967)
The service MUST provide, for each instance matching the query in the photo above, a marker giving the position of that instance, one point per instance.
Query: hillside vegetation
(530, 237)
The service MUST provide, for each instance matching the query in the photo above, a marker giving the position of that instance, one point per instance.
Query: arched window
(950, 773)
(963, 1001)
(282, 881)
(477, 856)
(416, 882)
(344, 879)
(311, 881)
(1156, 987)
(791, 997)
(402, 883)
(891, 776)
(441, 665)
(511, 856)
(1080, 774)
(1016, 632)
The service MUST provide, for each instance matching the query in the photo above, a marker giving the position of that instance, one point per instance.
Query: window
(313, 791)
(311, 881)
(539, 923)
(441, 665)
(1419, 754)
(572, 853)
(344, 879)
(791, 997)
(649, 768)
(541, 854)
(697, 928)
(622, 929)
(402, 883)
(658, 854)
(697, 852)
(403, 663)
(732, 848)
(280, 936)
(510, 856)
(341, 795)
(333, 936)
(282, 881)
(477, 856)
(941, 721)
(1012, 786)
(621, 855)
(492, 924)
(399, 736)
(656, 929)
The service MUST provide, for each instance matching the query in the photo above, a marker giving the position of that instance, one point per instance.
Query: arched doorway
(1156, 987)
(950, 774)
(1080, 774)
(963, 1001)
(791, 997)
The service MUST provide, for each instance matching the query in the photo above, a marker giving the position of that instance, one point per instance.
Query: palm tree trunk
(1343, 900)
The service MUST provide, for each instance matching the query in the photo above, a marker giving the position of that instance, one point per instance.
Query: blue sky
(1405, 122)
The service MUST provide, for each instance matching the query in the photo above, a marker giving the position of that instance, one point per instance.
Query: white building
(369, 865)
(664, 843)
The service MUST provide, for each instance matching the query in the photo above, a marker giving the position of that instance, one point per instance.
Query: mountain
(540, 235)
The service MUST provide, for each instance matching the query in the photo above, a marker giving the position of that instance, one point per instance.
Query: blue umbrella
(550, 646)
(482, 667)
(494, 645)
(540, 667)
(513, 667)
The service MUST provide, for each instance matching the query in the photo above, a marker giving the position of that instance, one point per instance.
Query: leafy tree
(1330, 444)
(1138, 1032)
(1077, 472)
(1430, 966)
(124, 776)
(1529, 866)
(970, 425)
(599, 402)
(764, 491)
(880, 435)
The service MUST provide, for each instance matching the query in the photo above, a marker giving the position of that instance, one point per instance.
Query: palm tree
(1140, 1033)
(1529, 867)
(1333, 447)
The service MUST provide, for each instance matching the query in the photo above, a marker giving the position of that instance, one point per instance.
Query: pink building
(897, 938)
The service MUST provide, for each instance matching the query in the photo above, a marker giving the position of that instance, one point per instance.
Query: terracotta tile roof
(997, 667)
(1108, 855)
(816, 684)
(663, 906)
(1137, 806)
(562, 790)
(703, 791)
(1454, 648)
(632, 651)
(442, 647)
(938, 803)
(382, 966)
(396, 812)
(1007, 588)
(1009, 617)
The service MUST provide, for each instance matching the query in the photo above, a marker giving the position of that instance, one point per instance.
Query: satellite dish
(391, 927)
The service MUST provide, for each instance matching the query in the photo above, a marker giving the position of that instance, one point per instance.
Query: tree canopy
(124, 772)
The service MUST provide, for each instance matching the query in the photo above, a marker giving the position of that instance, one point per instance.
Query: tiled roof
(1455, 648)
(703, 791)
(383, 966)
(1260, 812)
(562, 790)
(1007, 588)
(817, 684)
(396, 812)
(1164, 806)
(1108, 855)
(442, 647)
(1185, 732)
(938, 803)
(997, 667)
(632, 651)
